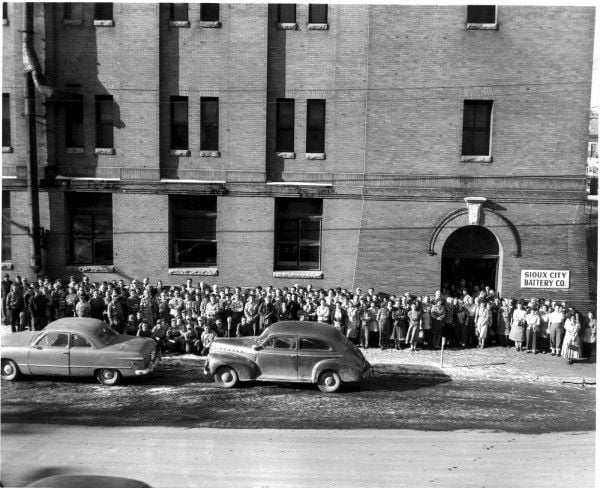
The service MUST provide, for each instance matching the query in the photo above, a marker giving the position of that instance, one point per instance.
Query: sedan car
(291, 351)
(77, 347)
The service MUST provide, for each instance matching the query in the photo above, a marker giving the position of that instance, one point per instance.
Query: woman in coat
(399, 325)
(571, 346)
(353, 321)
(414, 325)
(426, 321)
(339, 317)
(483, 321)
(518, 326)
(384, 323)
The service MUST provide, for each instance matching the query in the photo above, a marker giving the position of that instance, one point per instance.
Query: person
(159, 333)
(518, 326)
(543, 337)
(174, 337)
(252, 315)
(414, 324)
(38, 305)
(144, 330)
(266, 313)
(323, 312)
(207, 338)
(483, 320)
(533, 326)
(571, 346)
(438, 318)
(115, 313)
(242, 329)
(339, 317)
(462, 322)
(365, 318)
(556, 327)
(15, 304)
(191, 341)
(426, 320)
(353, 321)
(589, 335)
(131, 327)
(83, 307)
(471, 308)
(384, 322)
(6, 285)
(97, 306)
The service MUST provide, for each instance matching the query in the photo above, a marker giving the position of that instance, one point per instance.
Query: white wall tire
(226, 377)
(108, 377)
(10, 370)
(329, 381)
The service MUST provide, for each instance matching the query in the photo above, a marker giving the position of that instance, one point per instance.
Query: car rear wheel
(226, 377)
(10, 370)
(329, 381)
(108, 377)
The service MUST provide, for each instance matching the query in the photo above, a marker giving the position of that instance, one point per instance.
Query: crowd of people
(188, 317)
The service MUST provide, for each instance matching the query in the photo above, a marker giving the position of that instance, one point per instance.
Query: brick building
(338, 145)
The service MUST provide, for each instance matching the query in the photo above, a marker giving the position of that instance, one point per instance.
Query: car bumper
(149, 369)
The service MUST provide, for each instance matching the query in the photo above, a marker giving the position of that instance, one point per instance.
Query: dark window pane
(102, 224)
(91, 228)
(315, 126)
(103, 11)
(82, 225)
(476, 127)
(200, 252)
(317, 13)
(285, 125)
(74, 122)
(310, 230)
(82, 251)
(209, 124)
(67, 11)
(194, 230)
(309, 257)
(314, 345)
(4, 10)
(6, 119)
(103, 251)
(179, 122)
(209, 12)
(286, 13)
(179, 11)
(481, 14)
(287, 231)
(104, 121)
(6, 239)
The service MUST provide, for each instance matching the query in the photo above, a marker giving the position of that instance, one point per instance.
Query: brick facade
(394, 78)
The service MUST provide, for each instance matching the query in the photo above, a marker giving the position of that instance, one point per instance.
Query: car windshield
(107, 336)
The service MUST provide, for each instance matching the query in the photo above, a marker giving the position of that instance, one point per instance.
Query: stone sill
(106, 151)
(210, 154)
(305, 275)
(315, 156)
(286, 155)
(476, 159)
(90, 268)
(179, 23)
(287, 25)
(318, 26)
(74, 150)
(71, 22)
(473, 26)
(8, 266)
(7, 149)
(210, 24)
(104, 23)
(194, 271)
(180, 152)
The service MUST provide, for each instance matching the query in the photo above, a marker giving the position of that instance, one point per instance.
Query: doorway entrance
(470, 253)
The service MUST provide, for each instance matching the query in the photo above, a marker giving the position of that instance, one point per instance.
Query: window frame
(311, 13)
(280, 130)
(469, 153)
(72, 120)
(102, 11)
(173, 11)
(319, 146)
(205, 12)
(281, 7)
(93, 210)
(474, 23)
(6, 227)
(6, 125)
(209, 129)
(104, 129)
(174, 142)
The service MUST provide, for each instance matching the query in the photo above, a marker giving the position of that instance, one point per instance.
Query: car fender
(347, 372)
(20, 355)
(244, 367)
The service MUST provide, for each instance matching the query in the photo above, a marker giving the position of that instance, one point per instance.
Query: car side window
(79, 341)
(314, 345)
(54, 339)
(281, 343)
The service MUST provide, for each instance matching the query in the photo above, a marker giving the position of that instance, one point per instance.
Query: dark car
(292, 351)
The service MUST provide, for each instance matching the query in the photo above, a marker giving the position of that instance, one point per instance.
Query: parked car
(88, 481)
(291, 351)
(77, 347)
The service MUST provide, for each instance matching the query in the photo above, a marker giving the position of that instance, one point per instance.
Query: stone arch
(504, 230)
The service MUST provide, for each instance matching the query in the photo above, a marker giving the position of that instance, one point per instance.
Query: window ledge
(287, 25)
(314, 156)
(286, 155)
(7, 149)
(90, 268)
(474, 26)
(104, 23)
(210, 24)
(476, 159)
(7, 265)
(194, 271)
(210, 154)
(180, 152)
(71, 21)
(179, 23)
(4, 21)
(106, 151)
(318, 26)
(306, 275)
(74, 150)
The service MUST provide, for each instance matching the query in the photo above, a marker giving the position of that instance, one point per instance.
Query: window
(314, 345)
(91, 228)
(179, 122)
(4, 13)
(209, 12)
(286, 13)
(476, 127)
(179, 12)
(285, 125)
(193, 230)
(288, 343)
(481, 14)
(67, 11)
(103, 11)
(104, 121)
(6, 120)
(74, 121)
(79, 341)
(315, 126)
(209, 124)
(317, 13)
(298, 233)
(593, 152)
(54, 339)
(6, 242)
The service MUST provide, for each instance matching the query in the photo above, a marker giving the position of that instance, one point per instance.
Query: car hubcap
(7, 369)
(108, 375)
(226, 377)
(330, 381)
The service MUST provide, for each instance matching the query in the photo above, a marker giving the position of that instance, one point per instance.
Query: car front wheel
(108, 377)
(329, 381)
(226, 377)
(10, 370)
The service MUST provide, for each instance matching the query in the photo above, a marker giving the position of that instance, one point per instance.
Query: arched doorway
(471, 253)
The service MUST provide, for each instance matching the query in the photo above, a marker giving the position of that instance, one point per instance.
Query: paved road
(178, 457)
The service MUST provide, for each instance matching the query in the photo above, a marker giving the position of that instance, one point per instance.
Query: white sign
(545, 278)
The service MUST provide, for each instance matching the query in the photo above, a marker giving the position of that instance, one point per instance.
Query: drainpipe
(32, 72)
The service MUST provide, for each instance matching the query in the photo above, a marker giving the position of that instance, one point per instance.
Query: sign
(545, 278)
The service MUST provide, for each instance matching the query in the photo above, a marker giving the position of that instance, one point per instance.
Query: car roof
(301, 327)
(76, 324)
